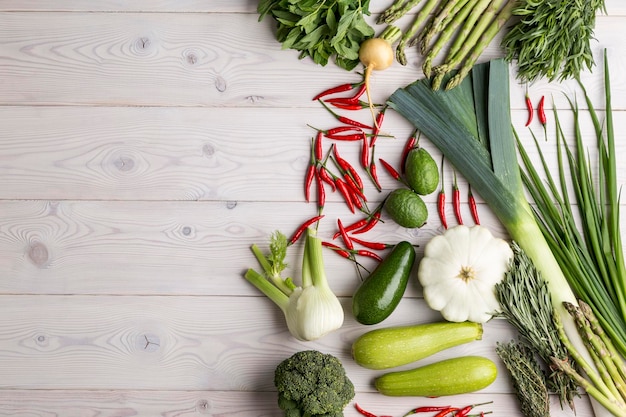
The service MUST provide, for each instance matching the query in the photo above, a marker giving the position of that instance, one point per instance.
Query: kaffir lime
(406, 208)
(421, 171)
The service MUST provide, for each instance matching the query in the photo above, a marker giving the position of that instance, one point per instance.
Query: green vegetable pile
(543, 47)
(312, 384)
(321, 29)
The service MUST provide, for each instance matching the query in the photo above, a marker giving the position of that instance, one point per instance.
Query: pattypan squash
(459, 271)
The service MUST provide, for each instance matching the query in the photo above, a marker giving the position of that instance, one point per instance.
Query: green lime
(406, 208)
(421, 171)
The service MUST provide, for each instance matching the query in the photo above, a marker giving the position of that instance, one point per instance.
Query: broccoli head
(312, 384)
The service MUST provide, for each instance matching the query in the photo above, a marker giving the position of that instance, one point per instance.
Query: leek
(471, 126)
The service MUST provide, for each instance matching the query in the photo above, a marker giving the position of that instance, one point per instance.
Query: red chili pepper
(321, 192)
(441, 201)
(446, 411)
(530, 109)
(303, 227)
(427, 409)
(410, 144)
(369, 254)
(370, 245)
(354, 187)
(359, 92)
(472, 204)
(347, 167)
(344, 253)
(308, 181)
(344, 119)
(441, 208)
(344, 235)
(356, 225)
(348, 138)
(341, 129)
(370, 224)
(318, 146)
(325, 176)
(374, 175)
(363, 412)
(463, 412)
(365, 152)
(345, 192)
(456, 201)
(541, 110)
(358, 202)
(338, 89)
(391, 170)
(377, 123)
(355, 106)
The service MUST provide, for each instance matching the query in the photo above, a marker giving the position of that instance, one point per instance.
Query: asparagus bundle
(468, 25)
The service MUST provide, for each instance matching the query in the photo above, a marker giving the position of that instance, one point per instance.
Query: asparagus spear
(445, 15)
(397, 5)
(445, 36)
(417, 23)
(417, 39)
(485, 39)
(479, 8)
(397, 13)
(474, 37)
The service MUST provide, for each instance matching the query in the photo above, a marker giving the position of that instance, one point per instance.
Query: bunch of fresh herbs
(552, 38)
(321, 29)
(526, 304)
(529, 380)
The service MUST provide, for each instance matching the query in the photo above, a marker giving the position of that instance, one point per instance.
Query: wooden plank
(173, 248)
(119, 58)
(614, 7)
(168, 248)
(221, 154)
(24, 403)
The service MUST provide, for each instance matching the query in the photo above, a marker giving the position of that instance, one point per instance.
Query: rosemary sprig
(526, 304)
(529, 380)
(540, 44)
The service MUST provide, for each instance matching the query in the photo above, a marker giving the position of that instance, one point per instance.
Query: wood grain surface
(144, 147)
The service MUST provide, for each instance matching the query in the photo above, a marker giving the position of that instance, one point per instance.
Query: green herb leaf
(321, 29)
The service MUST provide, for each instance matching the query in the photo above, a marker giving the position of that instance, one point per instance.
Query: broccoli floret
(312, 384)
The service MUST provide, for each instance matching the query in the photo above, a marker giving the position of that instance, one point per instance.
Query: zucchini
(379, 294)
(448, 377)
(394, 346)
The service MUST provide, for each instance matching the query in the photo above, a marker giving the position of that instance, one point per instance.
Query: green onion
(471, 126)
(591, 255)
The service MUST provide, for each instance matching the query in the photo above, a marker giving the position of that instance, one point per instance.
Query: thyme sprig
(552, 38)
(526, 304)
(529, 380)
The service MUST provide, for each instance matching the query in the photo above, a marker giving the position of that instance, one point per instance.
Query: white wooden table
(144, 147)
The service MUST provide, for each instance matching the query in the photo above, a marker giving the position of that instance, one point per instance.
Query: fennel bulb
(311, 310)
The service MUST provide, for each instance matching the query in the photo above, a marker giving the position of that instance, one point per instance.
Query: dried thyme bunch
(529, 380)
(526, 304)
